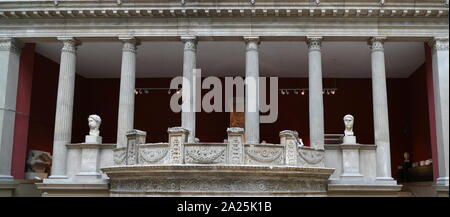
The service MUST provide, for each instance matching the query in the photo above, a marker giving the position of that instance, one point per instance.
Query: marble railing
(289, 152)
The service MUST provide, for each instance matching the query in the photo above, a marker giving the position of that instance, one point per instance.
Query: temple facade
(340, 98)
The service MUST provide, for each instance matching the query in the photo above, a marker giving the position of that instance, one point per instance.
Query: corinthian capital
(190, 42)
(439, 43)
(11, 45)
(130, 43)
(252, 42)
(376, 43)
(314, 43)
(69, 44)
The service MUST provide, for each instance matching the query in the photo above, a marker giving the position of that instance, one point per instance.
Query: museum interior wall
(408, 110)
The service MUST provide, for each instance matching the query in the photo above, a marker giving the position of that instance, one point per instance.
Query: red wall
(407, 98)
(23, 104)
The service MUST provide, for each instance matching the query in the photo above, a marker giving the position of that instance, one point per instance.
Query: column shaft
(125, 120)
(252, 90)
(440, 88)
(189, 93)
(316, 122)
(64, 107)
(380, 110)
(9, 74)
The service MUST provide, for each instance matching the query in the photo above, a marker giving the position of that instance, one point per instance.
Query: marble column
(440, 87)
(252, 90)
(64, 106)
(189, 93)
(316, 122)
(9, 74)
(125, 120)
(380, 109)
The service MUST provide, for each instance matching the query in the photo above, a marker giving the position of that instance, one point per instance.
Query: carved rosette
(264, 155)
(439, 44)
(190, 43)
(314, 43)
(252, 43)
(310, 157)
(205, 154)
(153, 155)
(11, 45)
(376, 43)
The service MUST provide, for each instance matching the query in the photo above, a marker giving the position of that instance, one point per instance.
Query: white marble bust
(348, 122)
(94, 125)
(94, 137)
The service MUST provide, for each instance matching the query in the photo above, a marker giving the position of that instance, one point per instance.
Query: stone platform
(217, 180)
(233, 168)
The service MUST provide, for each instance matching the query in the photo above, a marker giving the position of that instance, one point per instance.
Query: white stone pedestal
(93, 139)
(349, 140)
(350, 161)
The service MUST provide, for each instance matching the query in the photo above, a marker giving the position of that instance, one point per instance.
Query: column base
(442, 187)
(351, 178)
(58, 177)
(386, 181)
(74, 190)
(442, 181)
(6, 178)
(363, 190)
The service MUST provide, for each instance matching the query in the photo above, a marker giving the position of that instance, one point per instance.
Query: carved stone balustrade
(217, 169)
(290, 151)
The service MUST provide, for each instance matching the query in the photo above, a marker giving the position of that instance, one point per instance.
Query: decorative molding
(265, 155)
(310, 156)
(205, 154)
(119, 156)
(156, 9)
(152, 155)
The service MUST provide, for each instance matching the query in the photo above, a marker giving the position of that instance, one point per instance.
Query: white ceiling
(282, 59)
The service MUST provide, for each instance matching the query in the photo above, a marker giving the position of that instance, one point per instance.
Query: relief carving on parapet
(119, 156)
(205, 154)
(235, 154)
(205, 184)
(152, 155)
(264, 155)
(175, 150)
(311, 157)
(131, 152)
(291, 149)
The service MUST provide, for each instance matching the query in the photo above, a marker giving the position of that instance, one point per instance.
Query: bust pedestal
(93, 139)
(349, 140)
(350, 158)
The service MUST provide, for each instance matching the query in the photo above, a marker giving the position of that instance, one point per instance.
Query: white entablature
(226, 8)
(32, 20)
